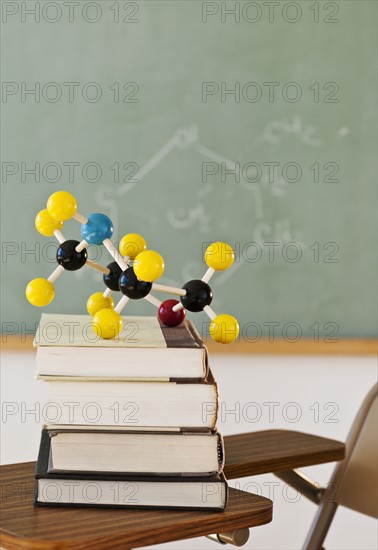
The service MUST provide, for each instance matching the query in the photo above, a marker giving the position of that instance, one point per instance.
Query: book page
(76, 330)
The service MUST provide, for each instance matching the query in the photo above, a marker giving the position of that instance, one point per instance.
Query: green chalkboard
(189, 122)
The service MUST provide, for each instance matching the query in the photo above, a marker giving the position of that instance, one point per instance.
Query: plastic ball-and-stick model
(195, 295)
(96, 229)
(133, 272)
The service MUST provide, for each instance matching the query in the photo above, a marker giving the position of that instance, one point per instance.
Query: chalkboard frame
(346, 346)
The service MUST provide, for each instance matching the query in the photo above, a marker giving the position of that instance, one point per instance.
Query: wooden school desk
(26, 527)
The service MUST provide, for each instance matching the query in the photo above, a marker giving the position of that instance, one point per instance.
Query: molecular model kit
(132, 272)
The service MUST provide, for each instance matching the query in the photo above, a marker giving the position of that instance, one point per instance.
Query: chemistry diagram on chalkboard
(185, 217)
(214, 166)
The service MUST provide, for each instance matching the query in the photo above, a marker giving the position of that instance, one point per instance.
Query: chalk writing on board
(108, 197)
(230, 165)
(196, 215)
(276, 131)
(185, 218)
(343, 132)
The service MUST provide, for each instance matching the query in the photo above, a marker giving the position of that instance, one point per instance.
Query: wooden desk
(25, 526)
(254, 453)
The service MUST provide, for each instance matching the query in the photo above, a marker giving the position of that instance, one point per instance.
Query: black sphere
(198, 295)
(112, 279)
(131, 287)
(67, 256)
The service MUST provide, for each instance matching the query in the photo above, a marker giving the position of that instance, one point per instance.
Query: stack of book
(130, 422)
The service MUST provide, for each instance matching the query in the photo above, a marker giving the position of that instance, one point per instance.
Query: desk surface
(254, 453)
(25, 526)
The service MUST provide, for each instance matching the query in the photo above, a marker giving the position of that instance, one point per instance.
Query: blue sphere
(98, 228)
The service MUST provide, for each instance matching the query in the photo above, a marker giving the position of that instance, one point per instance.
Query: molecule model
(132, 272)
(195, 295)
(71, 255)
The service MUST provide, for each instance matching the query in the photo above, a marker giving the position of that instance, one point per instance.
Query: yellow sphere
(98, 301)
(107, 323)
(61, 206)
(219, 256)
(148, 266)
(131, 245)
(224, 328)
(46, 225)
(40, 292)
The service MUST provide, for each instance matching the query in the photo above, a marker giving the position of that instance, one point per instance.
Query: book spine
(221, 454)
(216, 408)
(43, 455)
(206, 363)
(195, 334)
(128, 506)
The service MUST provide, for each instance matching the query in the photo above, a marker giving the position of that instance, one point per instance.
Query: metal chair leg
(320, 526)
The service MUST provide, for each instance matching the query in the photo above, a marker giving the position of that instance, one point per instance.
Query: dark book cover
(55, 431)
(45, 464)
(42, 473)
(183, 336)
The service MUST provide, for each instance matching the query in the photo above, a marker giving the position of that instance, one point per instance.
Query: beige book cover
(76, 330)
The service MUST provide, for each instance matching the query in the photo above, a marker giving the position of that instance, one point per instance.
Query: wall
(339, 383)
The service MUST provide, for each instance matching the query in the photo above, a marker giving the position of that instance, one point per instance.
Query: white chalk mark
(105, 198)
(226, 275)
(308, 138)
(259, 209)
(343, 131)
(276, 130)
(150, 164)
(184, 218)
(205, 190)
(231, 165)
(186, 136)
(190, 270)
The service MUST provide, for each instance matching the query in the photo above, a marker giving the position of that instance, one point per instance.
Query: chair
(355, 480)
(281, 452)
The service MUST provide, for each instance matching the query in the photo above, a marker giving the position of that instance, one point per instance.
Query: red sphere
(168, 317)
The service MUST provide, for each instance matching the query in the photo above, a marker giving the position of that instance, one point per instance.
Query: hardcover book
(134, 452)
(179, 404)
(68, 347)
(127, 491)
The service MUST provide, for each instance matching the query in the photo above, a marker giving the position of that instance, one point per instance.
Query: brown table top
(254, 453)
(25, 526)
